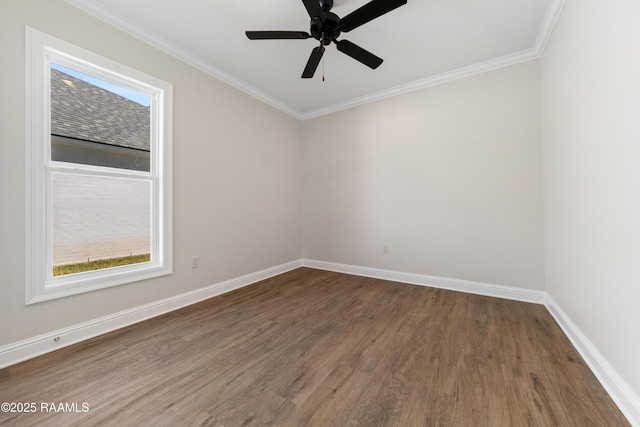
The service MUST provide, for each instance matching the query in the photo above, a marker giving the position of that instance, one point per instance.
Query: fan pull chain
(321, 50)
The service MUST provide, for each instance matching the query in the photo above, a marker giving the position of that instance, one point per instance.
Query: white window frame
(41, 50)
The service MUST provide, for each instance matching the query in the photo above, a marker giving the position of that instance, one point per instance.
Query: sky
(118, 90)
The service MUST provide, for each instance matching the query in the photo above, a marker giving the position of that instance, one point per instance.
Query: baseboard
(620, 392)
(498, 291)
(26, 349)
(616, 387)
(45, 343)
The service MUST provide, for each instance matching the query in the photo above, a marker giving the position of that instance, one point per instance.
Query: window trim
(41, 50)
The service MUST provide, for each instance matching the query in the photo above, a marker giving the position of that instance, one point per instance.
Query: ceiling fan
(326, 27)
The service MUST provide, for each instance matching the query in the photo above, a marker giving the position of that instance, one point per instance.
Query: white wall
(591, 125)
(449, 177)
(236, 195)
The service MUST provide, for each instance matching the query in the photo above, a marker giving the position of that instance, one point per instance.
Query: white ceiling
(423, 43)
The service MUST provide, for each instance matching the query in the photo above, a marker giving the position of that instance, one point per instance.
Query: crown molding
(179, 53)
(546, 28)
(548, 24)
(553, 12)
(438, 79)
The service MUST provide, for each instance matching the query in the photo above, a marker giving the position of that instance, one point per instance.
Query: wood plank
(311, 347)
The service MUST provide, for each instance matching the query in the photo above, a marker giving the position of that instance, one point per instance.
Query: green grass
(99, 264)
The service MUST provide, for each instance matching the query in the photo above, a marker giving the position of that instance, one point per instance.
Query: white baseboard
(616, 387)
(498, 291)
(45, 343)
(620, 392)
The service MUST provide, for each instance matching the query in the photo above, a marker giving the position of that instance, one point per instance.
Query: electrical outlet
(385, 249)
(195, 262)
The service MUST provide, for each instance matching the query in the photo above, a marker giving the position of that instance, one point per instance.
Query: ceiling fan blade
(359, 54)
(312, 63)
(276, 35)
(314, 9)
(368, 12)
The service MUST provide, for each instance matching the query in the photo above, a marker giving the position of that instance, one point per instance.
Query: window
(98, 171)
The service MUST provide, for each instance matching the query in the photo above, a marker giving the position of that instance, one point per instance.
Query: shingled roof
(83, 111)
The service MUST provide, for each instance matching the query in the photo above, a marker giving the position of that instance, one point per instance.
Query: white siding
(99, 218)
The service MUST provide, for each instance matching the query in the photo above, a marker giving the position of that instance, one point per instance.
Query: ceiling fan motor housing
(326, 5)
(325, 31)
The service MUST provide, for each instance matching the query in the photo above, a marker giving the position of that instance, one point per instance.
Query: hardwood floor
(316, 348)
